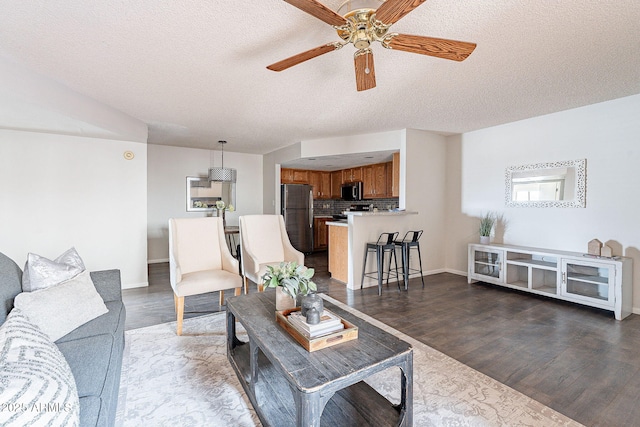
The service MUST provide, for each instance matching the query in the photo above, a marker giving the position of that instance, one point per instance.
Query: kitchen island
(347, 247)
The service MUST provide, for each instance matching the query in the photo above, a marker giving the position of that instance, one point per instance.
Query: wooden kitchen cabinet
(294, 176)
(395, 175)
(389, 166)
(367, 182)
(379, 180)
(374, 178)
(321, 182)
(286, 176)
(320, 233)
(336, 184)
(316, 182)
(339, 252)
(352, 175)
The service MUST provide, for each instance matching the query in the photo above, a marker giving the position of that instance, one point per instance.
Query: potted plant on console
(486, 225)
(290, 280)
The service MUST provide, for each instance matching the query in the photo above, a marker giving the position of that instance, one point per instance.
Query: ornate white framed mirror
(546, 185)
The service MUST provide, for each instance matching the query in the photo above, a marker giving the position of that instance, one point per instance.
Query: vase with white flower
(221, 208)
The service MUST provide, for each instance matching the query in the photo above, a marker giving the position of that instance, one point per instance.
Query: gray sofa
(94, 350)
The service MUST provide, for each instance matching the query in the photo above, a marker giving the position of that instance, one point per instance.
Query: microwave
(352, 191)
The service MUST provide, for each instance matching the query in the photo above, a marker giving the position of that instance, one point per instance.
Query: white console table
(605, 283)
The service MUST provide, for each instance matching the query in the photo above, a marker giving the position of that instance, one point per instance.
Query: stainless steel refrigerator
(297, 209)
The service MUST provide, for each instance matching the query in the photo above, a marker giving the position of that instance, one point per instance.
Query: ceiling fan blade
(365, 71)
(391, 11)
(320, 11)
(304, 56)
(440, 48)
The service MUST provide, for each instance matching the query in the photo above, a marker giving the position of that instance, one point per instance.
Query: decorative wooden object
(595, 247)
(606, 251)
(350, 332)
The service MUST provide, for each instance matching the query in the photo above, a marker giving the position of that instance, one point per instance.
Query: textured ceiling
(194, 71)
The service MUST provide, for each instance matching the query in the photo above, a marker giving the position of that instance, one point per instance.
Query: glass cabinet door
(588, 281)
(487, 262)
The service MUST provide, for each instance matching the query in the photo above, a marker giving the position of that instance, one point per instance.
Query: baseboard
(635, 310)
(458, 272)
(157, 261)
(135, 285)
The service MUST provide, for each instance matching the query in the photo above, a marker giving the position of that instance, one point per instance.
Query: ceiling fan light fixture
(362, 22)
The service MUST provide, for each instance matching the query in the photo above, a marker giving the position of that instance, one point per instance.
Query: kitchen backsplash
(333, 207)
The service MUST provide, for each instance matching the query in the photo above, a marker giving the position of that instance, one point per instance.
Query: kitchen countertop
(340, 223)
(379, 213)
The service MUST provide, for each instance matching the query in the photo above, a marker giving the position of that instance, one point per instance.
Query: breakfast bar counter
(346, 253)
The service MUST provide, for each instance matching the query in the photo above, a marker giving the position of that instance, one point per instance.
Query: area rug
(170, 380)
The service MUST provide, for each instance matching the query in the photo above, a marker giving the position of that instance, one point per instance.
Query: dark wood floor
(577, 360)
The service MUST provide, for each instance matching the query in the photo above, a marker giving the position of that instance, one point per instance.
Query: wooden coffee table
(289, 386)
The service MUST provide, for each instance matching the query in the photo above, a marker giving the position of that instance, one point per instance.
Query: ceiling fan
(364, 22)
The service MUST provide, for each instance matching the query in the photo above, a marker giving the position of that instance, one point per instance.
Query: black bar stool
(385, 244)
(408, 242)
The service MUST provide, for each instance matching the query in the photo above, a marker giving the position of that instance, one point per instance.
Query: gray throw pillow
(60, 309)
(40, 272)
(37, 387)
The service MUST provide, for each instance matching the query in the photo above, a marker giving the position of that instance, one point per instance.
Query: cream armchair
(199, 261)
(264, 241)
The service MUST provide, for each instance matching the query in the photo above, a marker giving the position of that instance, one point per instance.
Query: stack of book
(329, 323)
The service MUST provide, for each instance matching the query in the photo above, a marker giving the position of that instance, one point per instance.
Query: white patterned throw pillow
(59, 309)
(37, 387)
(40, 272)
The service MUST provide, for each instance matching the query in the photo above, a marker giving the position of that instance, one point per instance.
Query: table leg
(309, 408)
(231, 332)
(406, 400)
(253, 363)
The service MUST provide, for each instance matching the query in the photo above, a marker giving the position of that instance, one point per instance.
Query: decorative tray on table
(331, 330)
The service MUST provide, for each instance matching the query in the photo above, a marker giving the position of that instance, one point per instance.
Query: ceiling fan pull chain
(366, 64)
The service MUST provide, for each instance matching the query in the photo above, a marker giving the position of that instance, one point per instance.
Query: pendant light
(222, 174)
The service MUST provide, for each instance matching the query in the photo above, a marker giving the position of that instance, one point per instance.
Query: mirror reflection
(557, 184)
(203, 194)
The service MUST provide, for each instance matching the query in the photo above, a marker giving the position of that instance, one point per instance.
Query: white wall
(363, 143)
(423, 161)
(167, 171)
(460, 227)
(271, 176)
(61, 191)
(606, 134)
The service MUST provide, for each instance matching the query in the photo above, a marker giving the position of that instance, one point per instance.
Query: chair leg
(402, 261)
(260, 287)
(420, 260)
(179, 313)
(395, 259)
(380, 259)
(391, 256)
(406, 265)
(238, 291)
(246, 285)
(221, 298)
(364, 266)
